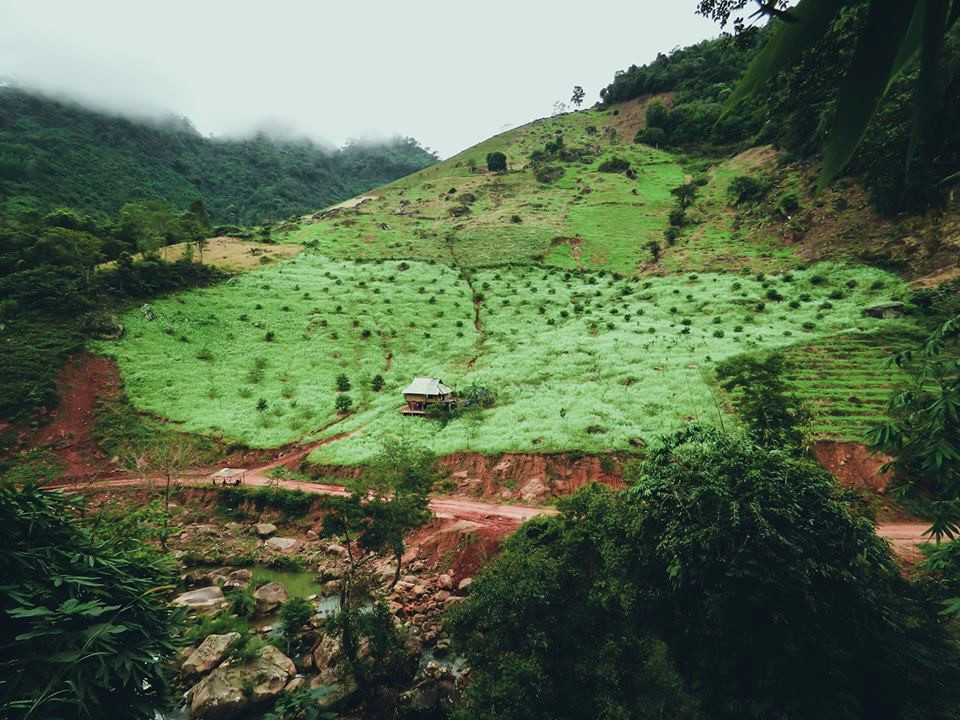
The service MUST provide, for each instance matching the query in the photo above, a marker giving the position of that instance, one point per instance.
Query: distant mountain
(57, 153)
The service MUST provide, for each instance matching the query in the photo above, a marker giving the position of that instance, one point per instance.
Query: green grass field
(543, 289)
(579, 361)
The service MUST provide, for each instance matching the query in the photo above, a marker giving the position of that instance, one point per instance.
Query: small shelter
(422, 392)
(229, 476)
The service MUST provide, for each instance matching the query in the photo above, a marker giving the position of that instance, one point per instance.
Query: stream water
(297, 584)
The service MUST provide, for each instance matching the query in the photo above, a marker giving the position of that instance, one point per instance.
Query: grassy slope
(598, 360)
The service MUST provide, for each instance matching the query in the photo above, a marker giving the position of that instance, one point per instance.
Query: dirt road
(904, 537)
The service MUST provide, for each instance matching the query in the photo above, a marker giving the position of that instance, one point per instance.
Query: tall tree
(731, 579)
(893, 34)
(578, 95)
(385, 503)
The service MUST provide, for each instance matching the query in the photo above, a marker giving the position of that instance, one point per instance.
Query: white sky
(448, 73)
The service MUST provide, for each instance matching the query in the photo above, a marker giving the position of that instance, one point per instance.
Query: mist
(333, 73)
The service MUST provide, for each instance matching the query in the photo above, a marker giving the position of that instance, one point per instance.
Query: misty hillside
(55, 153)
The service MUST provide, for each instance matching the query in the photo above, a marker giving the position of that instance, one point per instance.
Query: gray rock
(211, 653)
(265, 530)
(231, 690)
(201, 599)
(269, 597)
(885, 310)
(238, 579)
(283, 545)
(335, 549)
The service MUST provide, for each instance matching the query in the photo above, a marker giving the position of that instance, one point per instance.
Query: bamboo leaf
(783, 49)
(866, 81)
(934, 22)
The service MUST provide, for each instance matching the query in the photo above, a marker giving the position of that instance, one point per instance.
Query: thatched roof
(427, 386)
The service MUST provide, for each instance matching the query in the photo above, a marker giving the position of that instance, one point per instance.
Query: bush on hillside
(677, 217)
(746, 188)
(653, 136)
(731, 581)
(658, 116)
(614, 165)
(496, 162)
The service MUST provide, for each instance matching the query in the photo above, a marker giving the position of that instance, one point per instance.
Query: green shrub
(789, 204)
(671, 234)
(294, 614)
(85, 632)
(343, 383)
(496, 162)
(343, 403)
(614, 165)
(746, 188)
(653, 136)
(242, 603)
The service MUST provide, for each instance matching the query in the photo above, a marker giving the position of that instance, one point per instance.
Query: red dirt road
(88, 377)
(904, 537)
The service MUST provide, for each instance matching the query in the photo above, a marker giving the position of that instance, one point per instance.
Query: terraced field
(539, 283)
(847, 379)
(561, 211)
(578, 360)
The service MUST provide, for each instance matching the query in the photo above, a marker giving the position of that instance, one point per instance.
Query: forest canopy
(55, 153)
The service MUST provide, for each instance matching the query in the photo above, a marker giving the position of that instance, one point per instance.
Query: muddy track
(903, 537)
(504, 518)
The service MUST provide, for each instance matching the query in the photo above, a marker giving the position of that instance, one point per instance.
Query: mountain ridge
(59, 153)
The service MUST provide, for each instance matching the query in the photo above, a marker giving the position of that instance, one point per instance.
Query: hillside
(551, 284)
(55, 153)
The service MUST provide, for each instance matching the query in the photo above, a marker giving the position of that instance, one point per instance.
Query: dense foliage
(740, 582)
(796, 108)
(56, 153)
(86, 627)
(922, 427)
(52, 294)
(772, 414)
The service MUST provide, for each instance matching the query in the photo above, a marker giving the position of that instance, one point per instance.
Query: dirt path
(84, 379)
(87, 377)
(351, 203)
(904, 537)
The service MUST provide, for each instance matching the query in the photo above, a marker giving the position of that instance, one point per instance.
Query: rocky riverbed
(224, 675)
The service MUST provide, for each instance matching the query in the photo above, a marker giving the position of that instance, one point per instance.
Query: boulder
(219, 576)
(436, 692)
(326, 656)
(231, 690)
(885, 310)
(269, 597)
(445, 582)
(465, 584)
(211, 653)
(202, 599)
(335, 549)
(237, 579)
(283, 545)
(265, 530)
